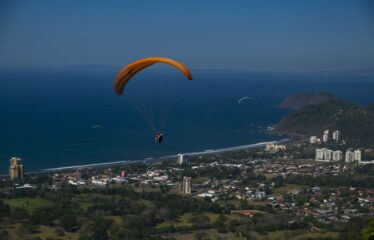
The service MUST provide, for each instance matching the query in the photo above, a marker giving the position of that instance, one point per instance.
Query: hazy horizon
(245, 35)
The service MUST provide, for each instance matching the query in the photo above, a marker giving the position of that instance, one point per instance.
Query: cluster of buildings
(293, 168)
(272, 147)
(326, 205)
(335, 136)
(327, 155)
(16, 169)
(153, 177)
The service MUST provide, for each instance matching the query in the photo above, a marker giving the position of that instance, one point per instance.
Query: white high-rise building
(16, 169)
(313, 139)
(337, 155)
(328, 155)
(349, 157)
(336, 135)
(357, 154)
(325, 136)
(182, 159)
(187, 185)
(320, 154)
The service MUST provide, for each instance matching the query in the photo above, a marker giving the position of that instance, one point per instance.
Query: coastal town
(316, 189)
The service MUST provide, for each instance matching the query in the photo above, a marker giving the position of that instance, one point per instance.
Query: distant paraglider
(96, 127)
(243, 99)
(147, 110)
(245, 105)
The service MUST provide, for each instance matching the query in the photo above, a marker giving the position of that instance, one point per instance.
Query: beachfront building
(16, 169)
(187, 185)
(313, 139)
(325, 137)
(357, 154)
(182, 159)
(336, 135)
(349, 157)
(337, 156)
(271, 147)
(328, 155)
(320, 154)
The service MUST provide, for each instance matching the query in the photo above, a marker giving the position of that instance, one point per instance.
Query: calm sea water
(72, 117)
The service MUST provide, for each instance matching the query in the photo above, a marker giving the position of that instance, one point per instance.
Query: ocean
(72, 116)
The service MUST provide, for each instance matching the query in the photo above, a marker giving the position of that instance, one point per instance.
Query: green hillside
(355, 122)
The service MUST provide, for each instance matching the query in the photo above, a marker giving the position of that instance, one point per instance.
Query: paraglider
(159, 136)
(244, 98)
(146, 110)
(245, 104)
(133, 68)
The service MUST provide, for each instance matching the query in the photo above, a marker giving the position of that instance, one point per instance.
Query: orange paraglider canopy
(132, 69)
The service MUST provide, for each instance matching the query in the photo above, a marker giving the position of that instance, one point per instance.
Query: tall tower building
(337, 155)
(349, 157)
(328, 155)
(187, 185)
(16, 169)
(182, 159)
(320, 154)
(336, 135)
(357, 154)
(325, 137)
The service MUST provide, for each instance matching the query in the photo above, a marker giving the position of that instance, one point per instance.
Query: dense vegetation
(301, 100)
(355, 122)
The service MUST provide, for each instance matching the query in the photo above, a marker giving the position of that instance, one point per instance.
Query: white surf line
(151, 159)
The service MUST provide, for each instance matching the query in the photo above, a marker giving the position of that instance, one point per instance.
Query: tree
(244, 205)
(200, 221)
(219, 223)
(24, 231)
(94, 231)
(201, 236)
(68, 221)
(4, 234)
(368, 232)
(19, 213)
(4, 209)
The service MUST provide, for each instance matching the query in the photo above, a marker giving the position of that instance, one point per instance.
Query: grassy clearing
(212, 233)
(42, 232)
(116, 219)
(299, 234)
(46, 232)
(286, 189)
(184, 220)
(28, 203)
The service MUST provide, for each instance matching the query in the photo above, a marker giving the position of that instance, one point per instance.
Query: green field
(276, 235)
(299, 234)
(184, 220)
(28, 203)
(42, 232)
(286, 189)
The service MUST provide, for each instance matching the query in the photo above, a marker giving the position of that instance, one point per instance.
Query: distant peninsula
(356, 122)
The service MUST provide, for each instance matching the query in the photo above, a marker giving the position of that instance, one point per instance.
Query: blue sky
(299, 35)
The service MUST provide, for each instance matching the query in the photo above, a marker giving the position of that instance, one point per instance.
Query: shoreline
(159, 159)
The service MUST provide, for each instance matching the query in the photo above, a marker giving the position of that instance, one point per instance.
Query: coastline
(158, 159)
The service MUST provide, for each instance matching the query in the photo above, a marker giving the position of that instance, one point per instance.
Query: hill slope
(301, 100)
(355, 122)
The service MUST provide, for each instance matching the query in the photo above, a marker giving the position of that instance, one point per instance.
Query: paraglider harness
(159, 136)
